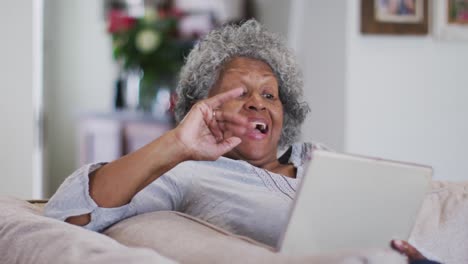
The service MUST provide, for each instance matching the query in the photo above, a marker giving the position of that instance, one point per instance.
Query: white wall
(397, 97)
(79, 75)
(16, 108)
(406, 99)
(317, 34)
(274, 14)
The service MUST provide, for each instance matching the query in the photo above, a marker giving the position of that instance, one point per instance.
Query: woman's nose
(255, 102)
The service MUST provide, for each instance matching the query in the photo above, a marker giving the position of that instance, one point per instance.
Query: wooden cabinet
(106, 137)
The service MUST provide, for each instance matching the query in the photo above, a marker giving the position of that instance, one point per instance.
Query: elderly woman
(239, 103)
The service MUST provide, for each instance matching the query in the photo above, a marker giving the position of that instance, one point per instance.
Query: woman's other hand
(409, 251)
(201, 131)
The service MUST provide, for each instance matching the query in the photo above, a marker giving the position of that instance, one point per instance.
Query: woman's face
(260, 103)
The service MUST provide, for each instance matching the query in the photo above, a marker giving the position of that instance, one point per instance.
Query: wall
(16, 118)
(274, 14)
(406, 99)
(317, 34)
(79, 74)
(397, 97)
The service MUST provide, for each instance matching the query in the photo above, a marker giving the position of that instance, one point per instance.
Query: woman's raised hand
(200, 136)
(201, 131)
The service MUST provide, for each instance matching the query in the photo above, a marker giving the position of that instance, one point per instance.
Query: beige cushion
(28, 237)
(441, 231)
(189, 240)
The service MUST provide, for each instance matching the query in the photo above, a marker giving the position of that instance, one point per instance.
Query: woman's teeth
(262, 127)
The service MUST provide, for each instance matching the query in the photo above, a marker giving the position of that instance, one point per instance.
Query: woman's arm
(116, 183)
(198, 137)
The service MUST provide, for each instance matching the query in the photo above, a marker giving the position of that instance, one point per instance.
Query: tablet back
(353, 202)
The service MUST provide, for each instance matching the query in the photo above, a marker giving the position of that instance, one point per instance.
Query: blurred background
(89, 80)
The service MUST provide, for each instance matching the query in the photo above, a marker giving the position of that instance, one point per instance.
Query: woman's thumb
(228, 144)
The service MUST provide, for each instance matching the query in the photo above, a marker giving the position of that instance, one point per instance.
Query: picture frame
(450, 21)
(394, 17)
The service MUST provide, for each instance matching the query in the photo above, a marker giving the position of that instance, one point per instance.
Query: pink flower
(119, 21)
(173, 12)
(463, 16)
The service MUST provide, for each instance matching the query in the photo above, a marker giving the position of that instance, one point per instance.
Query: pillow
(28, 237)
(189, 240)
(441, 229)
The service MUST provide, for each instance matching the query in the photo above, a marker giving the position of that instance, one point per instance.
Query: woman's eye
(268, 96)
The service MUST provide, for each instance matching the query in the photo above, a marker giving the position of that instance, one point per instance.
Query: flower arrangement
(150, 45)
(150, 42)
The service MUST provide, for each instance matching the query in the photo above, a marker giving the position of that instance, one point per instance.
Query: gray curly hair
(252, 40)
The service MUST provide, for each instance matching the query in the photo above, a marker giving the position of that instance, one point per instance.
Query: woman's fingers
(219, 99)
(233, 118)
(234, 129)
(407, 249)
(211, 131)
(228, 144)
(232, 122)
(215, 128)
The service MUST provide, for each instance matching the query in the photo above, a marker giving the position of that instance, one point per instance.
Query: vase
(133, 79)
(155, 94)
(149, 93)
(119, 93)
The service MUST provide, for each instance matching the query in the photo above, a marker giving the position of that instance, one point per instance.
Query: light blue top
(232, 194)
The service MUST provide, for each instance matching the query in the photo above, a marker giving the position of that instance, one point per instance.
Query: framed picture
(394, 17)
(451, 20)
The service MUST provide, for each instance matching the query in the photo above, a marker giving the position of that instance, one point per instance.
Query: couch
(440, 232)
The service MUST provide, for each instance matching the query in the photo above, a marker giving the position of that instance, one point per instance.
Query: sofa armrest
(441, 229)
(27, 237)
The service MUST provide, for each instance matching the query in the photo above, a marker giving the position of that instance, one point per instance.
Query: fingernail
(398, 243)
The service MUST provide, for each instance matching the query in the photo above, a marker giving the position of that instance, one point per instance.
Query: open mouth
(262, 127)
